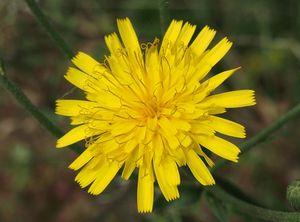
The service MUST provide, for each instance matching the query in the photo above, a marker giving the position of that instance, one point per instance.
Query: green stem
(235, 190)
(16, 92)
(251, 209)
(44, 22)
(264, 134)
(163, 15)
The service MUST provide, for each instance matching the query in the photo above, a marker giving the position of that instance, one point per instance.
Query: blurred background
(36, 184)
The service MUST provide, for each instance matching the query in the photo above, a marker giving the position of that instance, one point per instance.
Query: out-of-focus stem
(163, 15)
(54, 35)
(23, 100)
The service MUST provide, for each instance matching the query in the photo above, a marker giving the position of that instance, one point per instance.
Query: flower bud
(293, 194)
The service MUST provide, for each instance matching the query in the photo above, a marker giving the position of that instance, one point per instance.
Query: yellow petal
(185, 34)
(198, 168)
(215, 81)
(167, 126)
(220, 147)
(172, 177)
(152, 60)
(171, 140)
(185, 140)
(202, 41)
(181, 124)
(88, 65)
(73, 107)
(130, 146)
(81, 160)
(79, 79)
(216, 110)
(106, 99)
(165, 72)
(131, 162)
(109, 146)
(128, 35)
(119, 67)
(227, 127)
(128, 169)
(210, 59)
(152, 123)
(104, 177)
(85, 177)
(145, 190)
(158, 146)
(200, 152)
(74, 135)
(113, 43)
(78, 120)
(168, 131)
(141, 134)
(217, 52)
(202, 128)
(89, 172)
(124, 137)
(99, 125)
(232, 99)
(169, 192)
(178, 155)
(170, 35)
(122, 127)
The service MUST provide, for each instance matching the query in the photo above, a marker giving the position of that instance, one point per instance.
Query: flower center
(152, 108)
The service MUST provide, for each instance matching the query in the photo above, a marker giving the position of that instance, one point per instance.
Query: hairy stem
(251, 209)
(44, 22)
(23, 100)
(264, 134)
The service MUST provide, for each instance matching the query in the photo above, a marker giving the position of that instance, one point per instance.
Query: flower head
(148, 107)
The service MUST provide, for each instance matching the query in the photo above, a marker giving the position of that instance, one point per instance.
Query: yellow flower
(148, 107)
